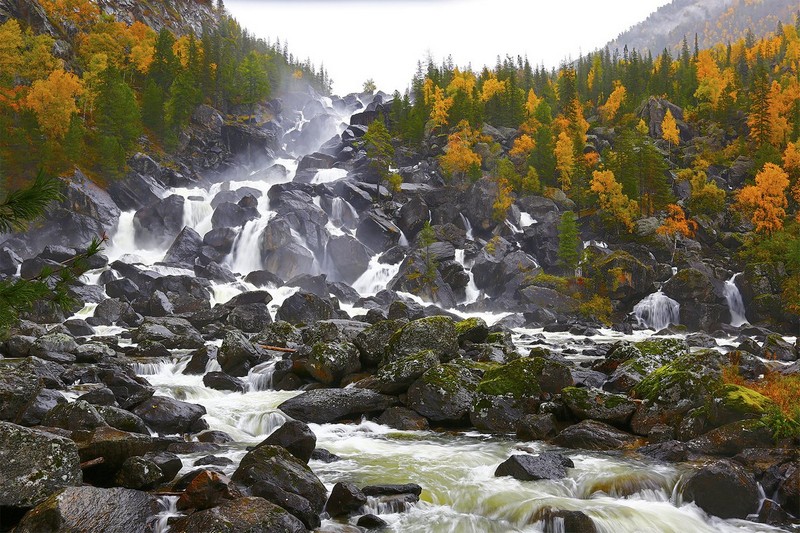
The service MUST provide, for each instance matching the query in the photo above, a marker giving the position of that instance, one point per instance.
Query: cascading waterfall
(471, 292)
(525, 220)
(376, 277)
(343, 215)
(657, 311)
(467, 227)
(245, 256)
(735, 302)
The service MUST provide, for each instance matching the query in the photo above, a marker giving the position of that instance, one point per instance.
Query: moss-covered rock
(372, 342)
(594, 404)
(621, 276)
(35, 465)
(632, 362)
(692, 377)
(496, 414)
(242, 514)
(397, 376)
(329, 362)
(472, 329)
(435, 333)
(526, 377)
(445, 393)
(732, 403)
(280, 333)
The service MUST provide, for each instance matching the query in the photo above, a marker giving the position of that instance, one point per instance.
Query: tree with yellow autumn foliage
(565, 160)
(459, 158)
(609, 110)
(669, 130)
(676, 225)
(613, 200)
(765, 202)
(53, 101)
(78, 12)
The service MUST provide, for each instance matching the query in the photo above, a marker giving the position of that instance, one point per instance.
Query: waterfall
(245, 256)
(328, 175)
(343, 215)
(471, 292)
(467, 227)
(525, 220)
(657, 311)
(375, 278)
(735, 302)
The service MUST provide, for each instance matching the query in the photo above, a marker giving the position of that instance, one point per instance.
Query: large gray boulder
(35, 465)
(322, 406)
(255, 515)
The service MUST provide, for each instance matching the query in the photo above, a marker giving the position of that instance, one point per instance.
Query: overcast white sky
(384, 39)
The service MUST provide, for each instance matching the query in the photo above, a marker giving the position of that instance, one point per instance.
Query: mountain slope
(714, 22)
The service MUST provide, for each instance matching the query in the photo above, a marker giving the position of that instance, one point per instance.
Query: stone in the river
(445, 393)
(436, 333)
(169, 416)
(35, 465)
(237, 355)
(373, 340)
(305, 308)
(169, 463)
(557, 520)
(536, 427)
(398, 375)
(323, 406)
(243, 514)
(724, 489)
(329, 362)
(595, 404)
(138, 473)
(593, 435)
(404, 419)
(208, 489)
(74, 416)
(296, 437)
(345, 499)
(224, 382)
(276, 465)
(92, 509)
(548, 465)
(46, 400)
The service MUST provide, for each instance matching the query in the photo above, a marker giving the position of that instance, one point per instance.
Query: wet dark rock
(243, 514)
(19, 387)
(224, 382)
(403, 418)
(274, 464)
(172, 332)
(122, 419)
(672, 451)
(444, 393)
(398, 375)
(555, 520)
(79, 327)
(157, 224)
(305, 308)
(138, 473)
(114, 510)
(378, 232)
(231, 215)
(280, 334)
(595, 404)
(206, 490)
(184, 249)
(345, 499)
(237, 355)
(592, 435)
(322, 406)
(169, 463)
(18, 346)
(128, 388)
(733, 438)
(371, 522)
(169, 416)
(536, 427)
(74, 416)
(46, 400)
(296, 437)
(35, 464)
(724, 489)
(213, 460)
(548, 465)
(113, 311)
(348, 256)
(775, 348)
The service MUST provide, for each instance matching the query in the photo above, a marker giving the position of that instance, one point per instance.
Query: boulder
(46, 400)
(548, 465)
(593, 435)
(237, 355)
(378, 232)
(184, 249)
(305, 308)
(594, 404)
(92, 509)
(19, 387)
(224, 382)
(250, 318)
(35, 465)
(345, 499)
(403, 419)
(231, 215)
(74, 416)
(621, 276)
(274, 464)
(555, 520)
(437, 334)
(372, 342)
(122, 419)
(206, 490)
(445, 393)
(348, 256)
(328, 363)
(243, 514)
(296, 437)
(159, 223)
(724, 489)
(397, 376)
(172, 332)
(138, 473)
(322, 406)
(168, 416)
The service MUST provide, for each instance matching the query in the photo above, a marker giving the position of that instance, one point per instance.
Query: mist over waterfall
(657, 311)
(735, 302)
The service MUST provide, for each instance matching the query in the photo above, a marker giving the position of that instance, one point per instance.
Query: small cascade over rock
(735, 302)
(657, 311)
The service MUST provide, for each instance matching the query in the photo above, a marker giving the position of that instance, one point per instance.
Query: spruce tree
(569, 242)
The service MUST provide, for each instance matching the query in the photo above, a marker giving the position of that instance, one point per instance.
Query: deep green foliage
(380, 151)
(569, 241)
(118, 120)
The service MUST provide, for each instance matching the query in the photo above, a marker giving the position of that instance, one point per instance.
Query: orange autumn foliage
(612, 199)
(676, 223)
(765, 202)
(565, 160)
(523, 146)
(78, 12)
(459, 156)
(612, 105)
(53, 102)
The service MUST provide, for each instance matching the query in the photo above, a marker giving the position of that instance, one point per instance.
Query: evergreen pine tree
(569, 241)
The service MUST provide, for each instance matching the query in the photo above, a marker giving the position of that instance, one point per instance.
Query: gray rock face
(237, 355)
(349, 256)
(35, 465)
(444, 393)
(591, 435)
(185, 249)
(158, 224)
(168, 416)
(19, 386)
(436, 333)
(329, 362)
(92, 509)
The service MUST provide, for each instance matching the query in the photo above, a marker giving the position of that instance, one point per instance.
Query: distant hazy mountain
(714, 21)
